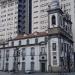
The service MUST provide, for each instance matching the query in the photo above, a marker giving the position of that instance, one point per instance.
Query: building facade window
(19, 42)
(32, 66)
(23, 53)
(60, 20)
(27, 41)
(10, 4)
(54, 46)
(36, 40)
(14, 65)
(42, 50)
(12, 43)
(23, 66)
(62, 47)
(7, 66)
(65, 49)
(53, 20)
(0, 54)
(32, 53)
(54, 62)
(7, 55)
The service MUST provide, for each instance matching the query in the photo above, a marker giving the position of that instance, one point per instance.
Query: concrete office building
(50, 51)
(39, 15)
(14, 18)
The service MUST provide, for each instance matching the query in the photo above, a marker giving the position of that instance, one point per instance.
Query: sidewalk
(44, 74)
(11, 73)
(4, 73)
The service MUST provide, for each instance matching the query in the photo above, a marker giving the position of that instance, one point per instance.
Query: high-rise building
(39, 15)
(14, 18)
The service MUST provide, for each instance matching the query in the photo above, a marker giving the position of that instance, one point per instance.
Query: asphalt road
(10, 73)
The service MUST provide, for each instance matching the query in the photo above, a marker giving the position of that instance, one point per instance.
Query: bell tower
(59, 31)
(54, 14)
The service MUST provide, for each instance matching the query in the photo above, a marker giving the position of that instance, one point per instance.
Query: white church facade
(38, 53)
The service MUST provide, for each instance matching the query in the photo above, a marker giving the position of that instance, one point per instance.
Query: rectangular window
(32, 66)
(54, 46)
(54, 62)
(7, 55)
(54, 53)
(23, 66)
(10, 4)
(14, 53)
(36, 40)
(0, 54)
(35, 1)
(64, 47)
(42, 50)
(7, 66)
(3, 6)
(14, 65)
(23, 53)
(27, 41)
(68, 48)
(19, 42)
(32, 51)
(36, 6)
(12, 43)
(46, 39)
(35, 11)
(16, 2)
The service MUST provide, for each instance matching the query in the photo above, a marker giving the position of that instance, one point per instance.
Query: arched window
(53, 20)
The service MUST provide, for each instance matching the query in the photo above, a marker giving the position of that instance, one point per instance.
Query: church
(50, 51)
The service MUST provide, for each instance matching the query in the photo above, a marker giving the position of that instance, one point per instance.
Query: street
(11, 73)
